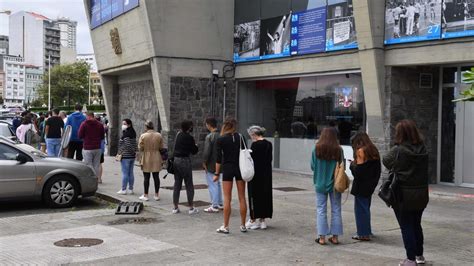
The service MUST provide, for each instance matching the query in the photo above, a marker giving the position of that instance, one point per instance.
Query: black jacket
(366, 178)
(185, 145)
(411, 171)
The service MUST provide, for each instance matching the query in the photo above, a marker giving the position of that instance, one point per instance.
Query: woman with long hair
(228, 150)
(260, 187)
(325, 156)
(366, 170)
(408, 160)
(128, 150)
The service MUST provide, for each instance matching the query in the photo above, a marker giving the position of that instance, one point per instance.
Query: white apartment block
(90, 59)
(68, 32)
(15, 80)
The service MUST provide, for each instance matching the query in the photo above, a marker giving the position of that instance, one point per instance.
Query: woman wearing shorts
(228, 149)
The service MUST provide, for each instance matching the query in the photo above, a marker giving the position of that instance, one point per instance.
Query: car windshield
(31, 150)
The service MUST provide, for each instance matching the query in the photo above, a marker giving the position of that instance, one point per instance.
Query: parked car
(27, 173)
(6, 130)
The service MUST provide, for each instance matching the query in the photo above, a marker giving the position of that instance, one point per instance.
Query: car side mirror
(21, 158)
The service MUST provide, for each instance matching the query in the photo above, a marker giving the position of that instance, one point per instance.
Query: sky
(73, 9)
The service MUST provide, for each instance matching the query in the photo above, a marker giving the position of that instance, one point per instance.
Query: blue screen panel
(308, 31)
(458, 19)
(95, 13)
(105, 10)
(129, 4)
(117, 8)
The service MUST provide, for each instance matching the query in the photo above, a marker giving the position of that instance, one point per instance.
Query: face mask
(124, 127)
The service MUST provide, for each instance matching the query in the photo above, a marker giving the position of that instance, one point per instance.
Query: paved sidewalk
(448, 225)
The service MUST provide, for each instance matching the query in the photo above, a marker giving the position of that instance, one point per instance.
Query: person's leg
(125, 172)
(362, 214)
(87, 159)
(131, 176)
(242, 202)
(336, 214)
(212, 186)
(49, 147)
(418, 233)
(178, 183)
(405, 220)
(96, 161)
(71, 149)
(146, 183)
(227, 186)
(219, 192)
(156, 182)
(79, 151)
(321, 215)
(188, 182)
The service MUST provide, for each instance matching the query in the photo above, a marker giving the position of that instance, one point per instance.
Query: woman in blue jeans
(128, 149)
(366, 170)
(325, 156)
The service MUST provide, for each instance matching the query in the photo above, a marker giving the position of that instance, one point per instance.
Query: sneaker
(252, 225)
(122, 192)
(243, 229)
(420, 260)
(221, 207)
(175, 210)
(142, 197)
(130, 192)
(223, 230)
(211, 210)
(407, 262)
(263, 225)
(193, 211)
(156, 198)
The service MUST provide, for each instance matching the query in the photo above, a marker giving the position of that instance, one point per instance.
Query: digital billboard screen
(95, 13)
(102, 11)
(275, 37)
(247, 41)
(341, 32)
(458, 18)
(412, 21)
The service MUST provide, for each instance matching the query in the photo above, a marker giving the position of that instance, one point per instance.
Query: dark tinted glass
(246, 11)
(449, 75)
(274, 8)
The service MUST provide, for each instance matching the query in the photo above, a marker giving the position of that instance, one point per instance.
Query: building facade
(294, 67)
(34, 79)
(14, 85)
(3, 45)
(90, 59)
(68, 32)
(35, 38)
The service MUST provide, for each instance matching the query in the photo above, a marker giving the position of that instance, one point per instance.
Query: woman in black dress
(260, 188)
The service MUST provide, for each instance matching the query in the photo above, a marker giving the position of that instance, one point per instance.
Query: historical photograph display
(247, 41)
(458, 18)
(340, 26)
(275, 37)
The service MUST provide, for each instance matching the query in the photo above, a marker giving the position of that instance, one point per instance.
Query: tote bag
(247, 169)
(341, 180)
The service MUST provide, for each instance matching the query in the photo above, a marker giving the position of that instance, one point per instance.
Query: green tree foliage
(468, 95)
(69, 83)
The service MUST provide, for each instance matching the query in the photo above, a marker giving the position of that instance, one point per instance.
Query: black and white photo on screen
(247, 39)
(275, 35)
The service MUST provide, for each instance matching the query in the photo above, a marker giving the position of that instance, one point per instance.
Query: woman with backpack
(25, 126)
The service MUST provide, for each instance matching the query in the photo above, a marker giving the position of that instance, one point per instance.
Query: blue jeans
(321, 214)
(362, 215)
(53, 146)
(127, 173)
(215, 191)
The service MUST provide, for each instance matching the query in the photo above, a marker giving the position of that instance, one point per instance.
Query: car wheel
(61, 192)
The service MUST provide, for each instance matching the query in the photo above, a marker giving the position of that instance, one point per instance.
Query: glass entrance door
(448, 135)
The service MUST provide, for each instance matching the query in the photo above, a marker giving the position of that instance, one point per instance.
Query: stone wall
(137, 101)
(406, 100)
(190, 99)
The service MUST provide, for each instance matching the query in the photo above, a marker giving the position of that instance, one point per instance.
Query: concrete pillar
(111, 100)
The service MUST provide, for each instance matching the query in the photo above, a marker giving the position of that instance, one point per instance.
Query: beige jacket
(149, 145)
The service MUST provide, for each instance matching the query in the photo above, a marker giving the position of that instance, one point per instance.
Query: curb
(108, 198)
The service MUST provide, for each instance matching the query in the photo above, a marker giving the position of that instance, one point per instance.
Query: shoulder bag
(170, 160)
(32, 138)
(341, 180)
(387, 191)
(246, 166)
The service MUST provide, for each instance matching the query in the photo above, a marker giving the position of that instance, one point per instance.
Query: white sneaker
(142, 197)
(255, 225)
(156, 198)
(420, 260)
(175, 211)
(263, 225)
(221, 207)
(193, 211)
(130, 192)
(122, 192)
(211, 210)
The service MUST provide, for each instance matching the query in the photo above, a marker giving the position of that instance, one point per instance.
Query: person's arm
(360, 156)
(218, 159)
(270, 36)
(46, 129)
(389, 158)
(313, 160)
(194, 147)
(217, 173)
(141, 143)
(207, 152)
(81, 132)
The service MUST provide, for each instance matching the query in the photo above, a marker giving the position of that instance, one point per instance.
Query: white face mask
(124, 127)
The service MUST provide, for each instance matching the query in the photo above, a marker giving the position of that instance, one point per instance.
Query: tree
(468, 77)
(69, 84)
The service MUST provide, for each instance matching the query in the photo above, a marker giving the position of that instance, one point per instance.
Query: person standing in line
(63, 116)
(324, 158)
(128, 149)
(228, 150)
(366, 170)
(410, 19)
(26, 124)
(53, 132)
(149, 145)
(184, 147)
(409, 161)
(75, 144)
(209, 165)
(91, 132)
(102, 155)
(260, 187)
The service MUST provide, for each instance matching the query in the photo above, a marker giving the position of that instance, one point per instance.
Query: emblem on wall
(115, 39)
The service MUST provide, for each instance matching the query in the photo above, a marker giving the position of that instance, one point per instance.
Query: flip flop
(333, 241)
(318, 240)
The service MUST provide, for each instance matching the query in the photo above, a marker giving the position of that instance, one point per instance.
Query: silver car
(27, 173)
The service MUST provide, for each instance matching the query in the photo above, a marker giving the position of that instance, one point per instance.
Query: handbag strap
(242, 140)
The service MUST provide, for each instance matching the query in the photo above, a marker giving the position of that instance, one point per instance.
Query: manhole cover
(78, 242)
(197, 203)
(199, 186)
(137, 220)
(289, 189)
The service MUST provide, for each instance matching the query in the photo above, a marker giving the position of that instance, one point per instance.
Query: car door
(16, 179)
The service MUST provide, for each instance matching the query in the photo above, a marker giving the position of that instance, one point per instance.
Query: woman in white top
(24, 127)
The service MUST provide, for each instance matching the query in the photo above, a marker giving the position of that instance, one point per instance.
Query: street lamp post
(89, 83)
(49, 82)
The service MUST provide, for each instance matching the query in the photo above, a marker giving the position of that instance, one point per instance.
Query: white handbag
(247, 169)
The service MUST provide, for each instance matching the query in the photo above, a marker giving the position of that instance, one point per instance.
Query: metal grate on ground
(289, 189)
(197, 203)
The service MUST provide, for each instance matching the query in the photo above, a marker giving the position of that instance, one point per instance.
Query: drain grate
(78, 242)
(198, 186)
(137, 220)
(197, 203)
(289, 189)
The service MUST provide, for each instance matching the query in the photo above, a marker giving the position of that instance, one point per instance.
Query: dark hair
(128, 122)
(327, 147)
(78, 107)
(56, 111)
(26, 120)
(362, 141)
(407, 132)
(229, 126)
(149, 124)
(49, 113)
(332, 123)
(90, 114)
(186, 125)
(211, 121)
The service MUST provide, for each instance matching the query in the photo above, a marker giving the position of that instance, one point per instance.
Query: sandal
(223, 230)
(333, 240)
(318, 240)
(361, 238)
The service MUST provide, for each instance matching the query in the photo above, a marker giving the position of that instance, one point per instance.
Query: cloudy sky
(73, 9)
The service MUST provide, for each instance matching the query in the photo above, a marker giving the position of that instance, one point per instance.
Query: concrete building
(90, 59)
(34, 79)
(2, 85)
(68, 55)
(14, 69)
(156, 62)
(3, 45)
(68, 32)
(34, 37)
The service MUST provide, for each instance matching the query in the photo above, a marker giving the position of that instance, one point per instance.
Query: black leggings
(156, 178)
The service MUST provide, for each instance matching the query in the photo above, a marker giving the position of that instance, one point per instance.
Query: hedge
(70, 109)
